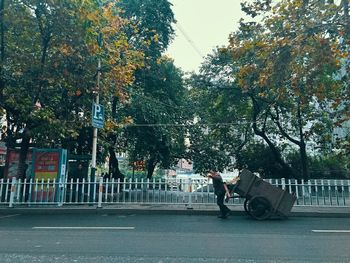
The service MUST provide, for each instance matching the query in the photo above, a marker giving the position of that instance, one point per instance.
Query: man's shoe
(222, 216)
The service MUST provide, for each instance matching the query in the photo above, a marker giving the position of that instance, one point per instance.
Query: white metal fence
(172, 191)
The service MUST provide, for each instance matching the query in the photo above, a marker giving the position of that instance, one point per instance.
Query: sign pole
(98, 125)
(94, 138)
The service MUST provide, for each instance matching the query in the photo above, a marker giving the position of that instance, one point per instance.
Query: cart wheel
(259, 208)
(246, 202)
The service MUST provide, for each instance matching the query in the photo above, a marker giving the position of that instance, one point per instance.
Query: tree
(159, 114)
(220, 130)
(155, 99)
(280, 79)
(51, 53)
(286, 67)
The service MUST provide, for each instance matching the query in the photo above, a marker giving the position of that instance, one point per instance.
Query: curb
(306, 211)
(326, 212)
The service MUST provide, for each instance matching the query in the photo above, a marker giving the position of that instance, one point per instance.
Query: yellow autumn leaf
(92, 16)
(66, 50)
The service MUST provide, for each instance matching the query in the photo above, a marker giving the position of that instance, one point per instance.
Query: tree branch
(276, 120)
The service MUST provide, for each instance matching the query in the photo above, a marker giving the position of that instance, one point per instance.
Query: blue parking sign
(97, 116)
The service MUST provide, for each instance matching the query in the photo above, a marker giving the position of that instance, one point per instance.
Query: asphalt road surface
(171, 238)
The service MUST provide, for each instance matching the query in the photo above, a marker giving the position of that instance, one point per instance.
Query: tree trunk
(304, 163)
(288, 171)
(151, 165)
(22, 165)
(302, 148)
(45, 31)
(114, 166)
(276, 153)
(300, 143)
(114, 171)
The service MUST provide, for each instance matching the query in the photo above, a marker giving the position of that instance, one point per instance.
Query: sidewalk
(197, 209)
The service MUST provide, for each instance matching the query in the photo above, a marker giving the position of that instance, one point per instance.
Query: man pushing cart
(262, 199)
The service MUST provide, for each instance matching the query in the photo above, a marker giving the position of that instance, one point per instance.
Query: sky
(201, 26)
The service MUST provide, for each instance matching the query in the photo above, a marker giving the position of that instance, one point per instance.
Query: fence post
(61, 192)
(283, 181)
(100, 192)
(189, 194)
(13, 192)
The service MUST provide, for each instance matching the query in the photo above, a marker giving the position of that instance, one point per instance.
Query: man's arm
(234, 180)
(226, 190)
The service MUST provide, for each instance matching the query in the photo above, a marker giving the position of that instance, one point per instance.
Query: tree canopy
(49, 55)
(284, 69)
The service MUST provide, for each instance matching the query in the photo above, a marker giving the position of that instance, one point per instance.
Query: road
(171, 238)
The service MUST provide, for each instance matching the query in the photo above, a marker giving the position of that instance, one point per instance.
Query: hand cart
(262, 199)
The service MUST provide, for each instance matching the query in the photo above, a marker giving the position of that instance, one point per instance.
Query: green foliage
(152, 19)
(205, 157)
(257, 157)
(285, 65)
(51, 57)
(157, 109)
(324, 167)
(275, 79)
(219, 108)
(155, 96)
(49, 53)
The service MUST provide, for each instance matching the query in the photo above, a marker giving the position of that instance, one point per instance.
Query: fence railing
(171, 191)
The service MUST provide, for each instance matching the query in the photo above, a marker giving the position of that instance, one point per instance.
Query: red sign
(46, 164)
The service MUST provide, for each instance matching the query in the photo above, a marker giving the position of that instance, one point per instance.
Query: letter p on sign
(97, 116)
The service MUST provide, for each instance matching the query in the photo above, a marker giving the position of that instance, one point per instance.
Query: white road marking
(83, 228)
(330, 231)
(9, 216)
